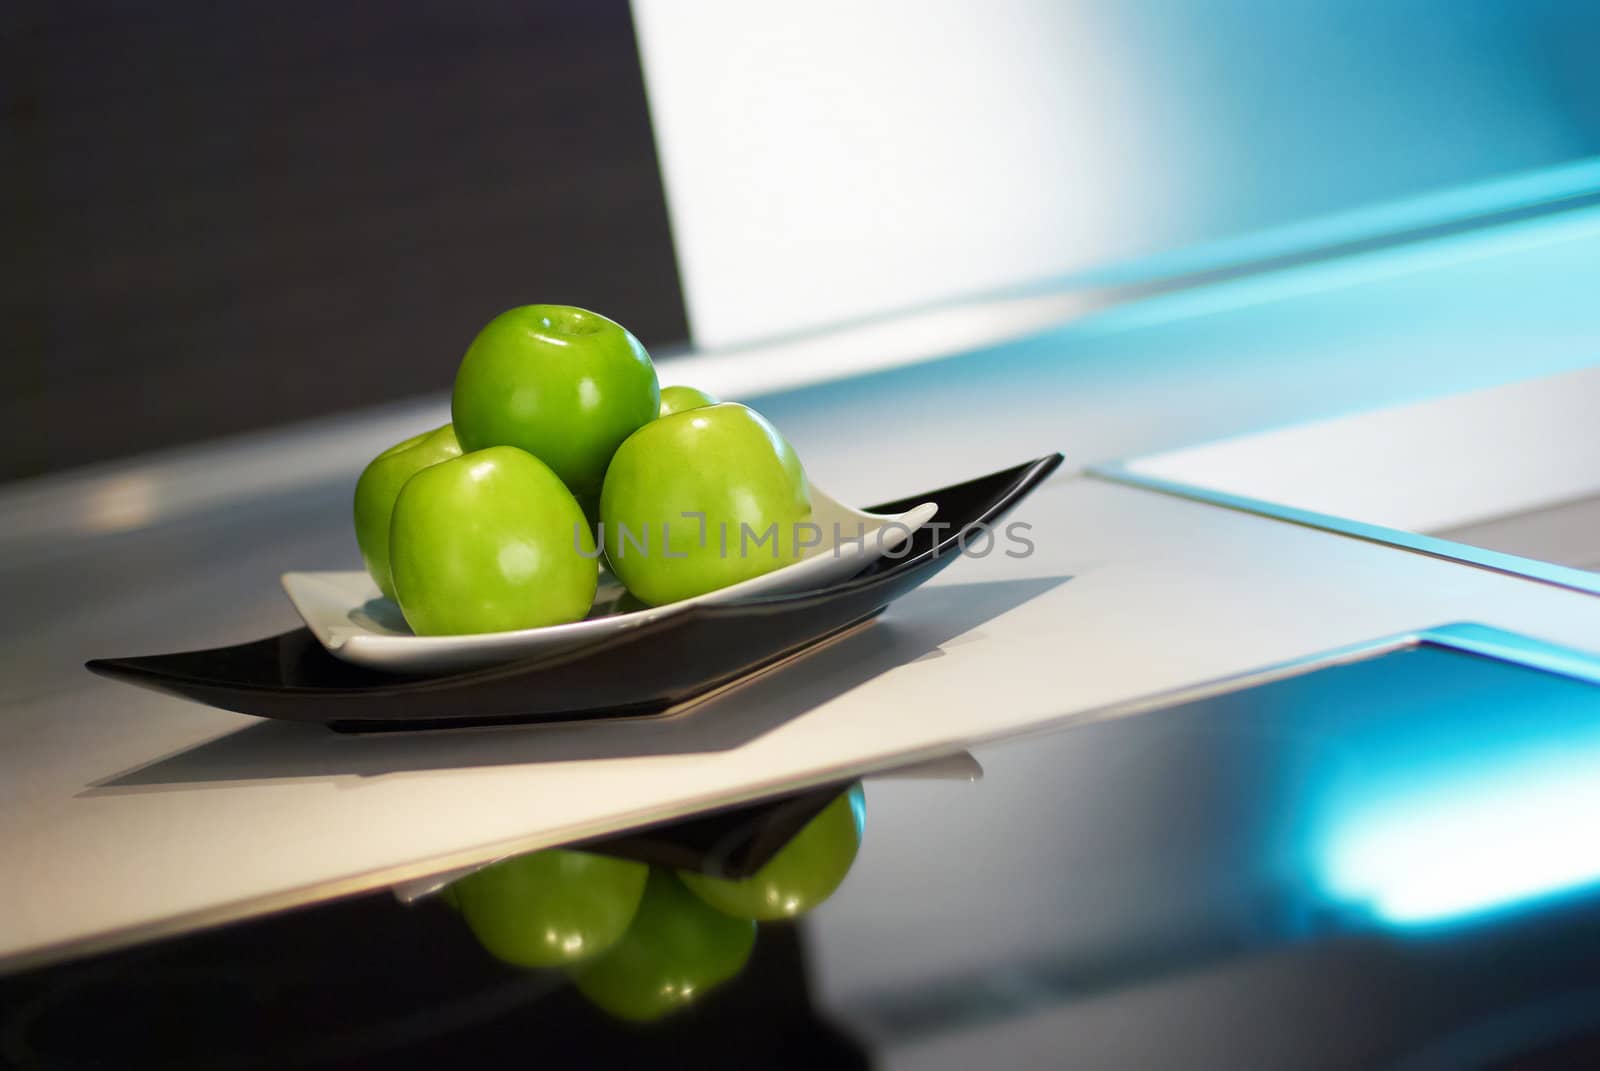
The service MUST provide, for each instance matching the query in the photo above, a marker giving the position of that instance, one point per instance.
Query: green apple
(380, 485)
(702, 499)
(551, 908)
(487, 542)
(677, 399)
(676, 950)
(562, 383)
(803, 873)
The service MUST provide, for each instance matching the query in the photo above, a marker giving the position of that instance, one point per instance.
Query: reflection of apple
(802, 874)
(677, 399)
(380, 485)
(702, 499)
(490, 541)
(564, 384)
(676, 950)
(551, 908)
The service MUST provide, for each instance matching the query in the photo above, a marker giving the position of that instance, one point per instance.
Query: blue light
(1486, 844)
(1484, 808)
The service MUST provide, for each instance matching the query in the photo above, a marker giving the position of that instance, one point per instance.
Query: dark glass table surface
(1389, 862)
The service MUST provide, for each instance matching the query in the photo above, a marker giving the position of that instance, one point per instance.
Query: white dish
(354, 622)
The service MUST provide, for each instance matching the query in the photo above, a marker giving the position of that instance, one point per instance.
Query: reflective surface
(1385, 861)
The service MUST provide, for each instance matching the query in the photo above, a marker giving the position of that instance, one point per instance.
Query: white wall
(831, 161)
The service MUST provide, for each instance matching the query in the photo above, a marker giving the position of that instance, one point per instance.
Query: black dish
(647, 671)
(733, 843)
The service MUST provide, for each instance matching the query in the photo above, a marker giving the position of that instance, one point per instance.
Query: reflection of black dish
(647, 671)
(733, 843)
(371, 982)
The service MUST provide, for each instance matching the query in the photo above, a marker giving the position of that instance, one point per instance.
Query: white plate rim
(394, 651)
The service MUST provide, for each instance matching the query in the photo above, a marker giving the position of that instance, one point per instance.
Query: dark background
(223, 217)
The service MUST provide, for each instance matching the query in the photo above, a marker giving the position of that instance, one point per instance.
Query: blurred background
(226, 218)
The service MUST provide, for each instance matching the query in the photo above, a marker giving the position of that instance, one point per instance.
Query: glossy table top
(134, 816)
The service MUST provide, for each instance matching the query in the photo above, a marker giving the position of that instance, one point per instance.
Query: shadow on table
(921, 624)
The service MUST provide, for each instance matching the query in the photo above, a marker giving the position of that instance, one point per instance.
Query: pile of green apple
(643, 941)
(558, 423)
